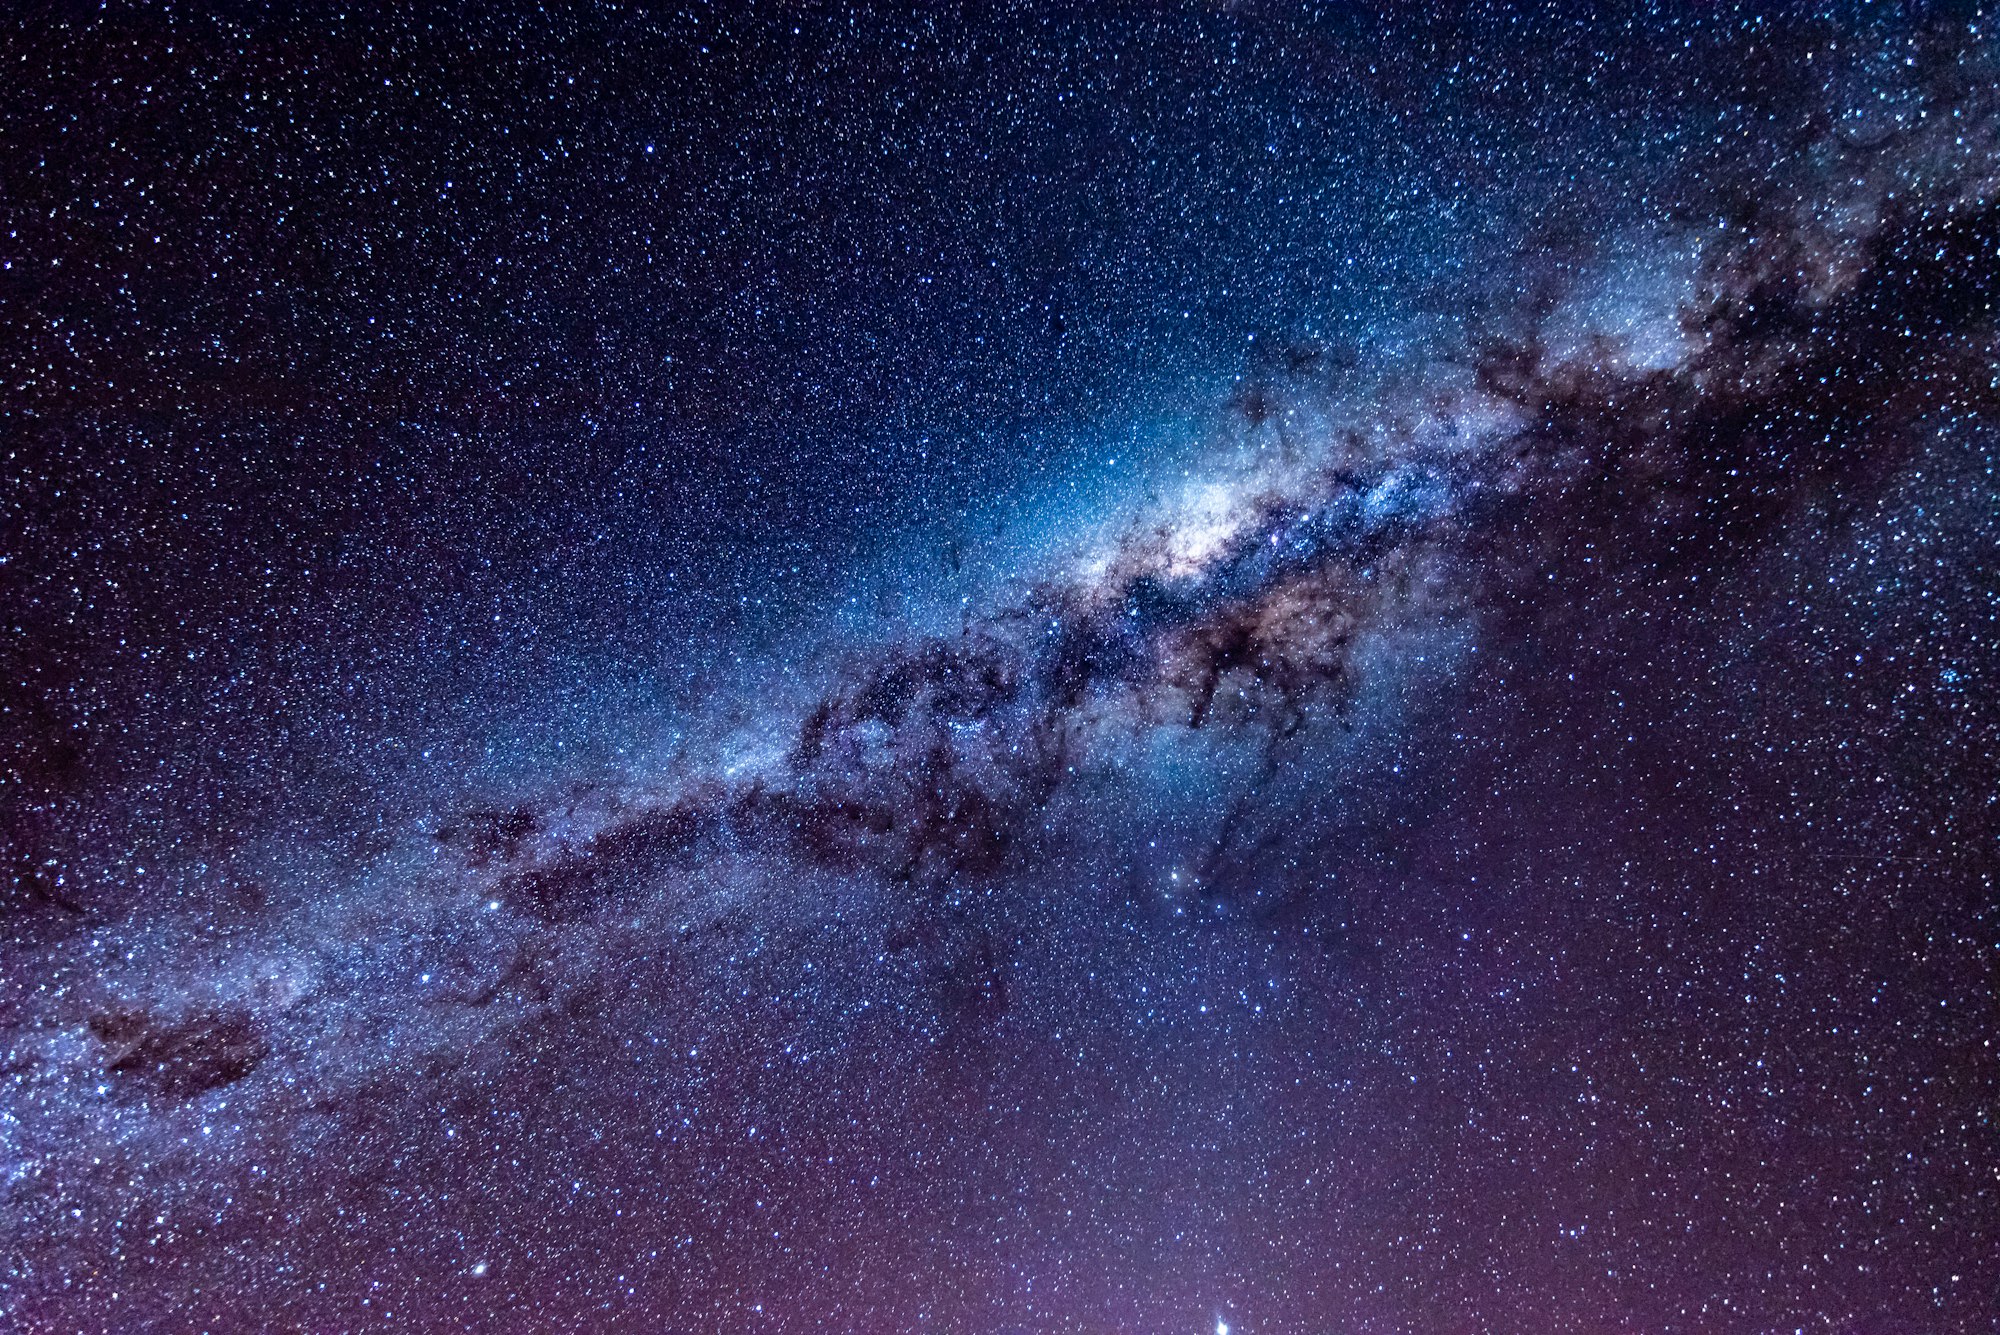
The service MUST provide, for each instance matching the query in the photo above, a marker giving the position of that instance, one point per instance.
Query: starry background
(805, 667)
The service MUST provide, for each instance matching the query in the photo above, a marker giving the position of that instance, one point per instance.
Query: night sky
(1231, 669)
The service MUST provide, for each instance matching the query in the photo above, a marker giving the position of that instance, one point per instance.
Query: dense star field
(1235, 668)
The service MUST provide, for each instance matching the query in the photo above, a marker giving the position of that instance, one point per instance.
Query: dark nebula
(1251, 668)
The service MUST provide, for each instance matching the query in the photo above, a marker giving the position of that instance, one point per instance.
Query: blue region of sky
(553, 381)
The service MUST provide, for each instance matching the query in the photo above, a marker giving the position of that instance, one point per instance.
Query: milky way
(1489, 827)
